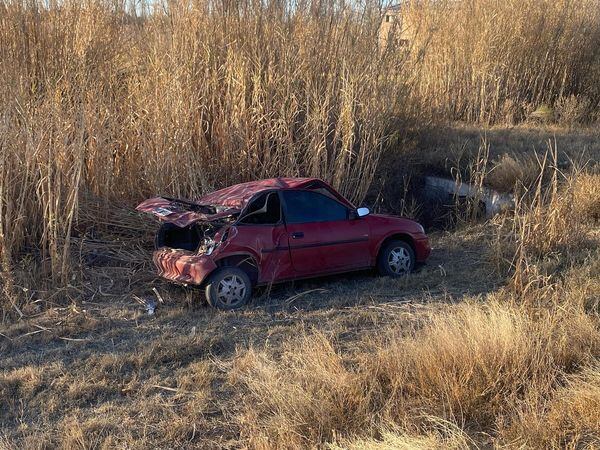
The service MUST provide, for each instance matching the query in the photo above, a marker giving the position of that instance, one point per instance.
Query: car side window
(307, 206)
(264, 210)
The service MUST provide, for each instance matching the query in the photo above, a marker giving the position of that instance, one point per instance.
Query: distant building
(395, 27)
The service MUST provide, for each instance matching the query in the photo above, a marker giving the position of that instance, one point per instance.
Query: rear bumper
(422, 248)
(182, 266)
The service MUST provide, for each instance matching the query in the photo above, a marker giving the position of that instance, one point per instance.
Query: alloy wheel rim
(231, 290)
(399, 260)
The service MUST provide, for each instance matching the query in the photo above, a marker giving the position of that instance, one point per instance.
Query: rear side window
(306, 206)
(264, 210)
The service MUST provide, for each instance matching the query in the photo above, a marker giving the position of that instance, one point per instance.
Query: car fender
(230, 249)
(383, 238)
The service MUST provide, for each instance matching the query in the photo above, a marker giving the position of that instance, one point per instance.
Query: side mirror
(362, 212)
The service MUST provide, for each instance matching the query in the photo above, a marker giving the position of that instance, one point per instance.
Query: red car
(276, 230)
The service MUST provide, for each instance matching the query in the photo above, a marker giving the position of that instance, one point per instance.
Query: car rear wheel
(396, 258)
(228, 288)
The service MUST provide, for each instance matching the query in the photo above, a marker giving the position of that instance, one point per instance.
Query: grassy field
(99, 103)
(494, 343)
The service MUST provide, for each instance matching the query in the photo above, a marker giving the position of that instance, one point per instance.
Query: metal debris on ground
(149, 304)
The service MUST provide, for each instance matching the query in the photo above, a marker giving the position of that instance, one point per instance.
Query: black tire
(403, 266)
(220, 296)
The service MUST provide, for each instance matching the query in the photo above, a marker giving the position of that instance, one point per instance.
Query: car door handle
(297, 235)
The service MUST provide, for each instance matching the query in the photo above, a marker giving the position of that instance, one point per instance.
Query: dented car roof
(182, 213)
(238, 195)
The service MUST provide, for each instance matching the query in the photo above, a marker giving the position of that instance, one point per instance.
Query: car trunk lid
(183, 212)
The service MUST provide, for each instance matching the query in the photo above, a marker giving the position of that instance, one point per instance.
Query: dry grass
(570, 419)
(470, 366)
(446, 436)
(514, 151)
(493, 62)
(511, 170)
(586, 197)
(553, 222)
(95, 100)
(494, 343)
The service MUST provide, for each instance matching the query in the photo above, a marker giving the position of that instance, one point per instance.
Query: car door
(261, 229)
(322, 237)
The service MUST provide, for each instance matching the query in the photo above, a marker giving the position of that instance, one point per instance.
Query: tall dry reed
(552, 224)
(195, 96)
(497, 61)
(199, 94)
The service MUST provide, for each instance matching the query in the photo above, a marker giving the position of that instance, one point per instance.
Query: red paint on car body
(279, 251)
(183, 266)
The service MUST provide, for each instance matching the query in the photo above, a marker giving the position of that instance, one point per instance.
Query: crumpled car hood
(183, 213)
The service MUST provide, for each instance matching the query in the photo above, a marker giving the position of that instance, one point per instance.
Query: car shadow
(451, 273)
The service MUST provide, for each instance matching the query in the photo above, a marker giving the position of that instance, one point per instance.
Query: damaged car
(276, 230)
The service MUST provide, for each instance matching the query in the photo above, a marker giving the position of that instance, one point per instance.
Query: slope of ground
(303, 361)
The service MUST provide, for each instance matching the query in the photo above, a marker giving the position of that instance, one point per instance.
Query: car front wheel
(396, 258)
(228, 288)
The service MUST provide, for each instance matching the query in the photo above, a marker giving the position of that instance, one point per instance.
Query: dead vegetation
(99, 102)
(469, 368)
(506, 62)
(495, 343)
(358, 364)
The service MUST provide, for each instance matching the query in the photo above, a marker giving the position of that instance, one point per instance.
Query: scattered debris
(148, 304)
(150, 307)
